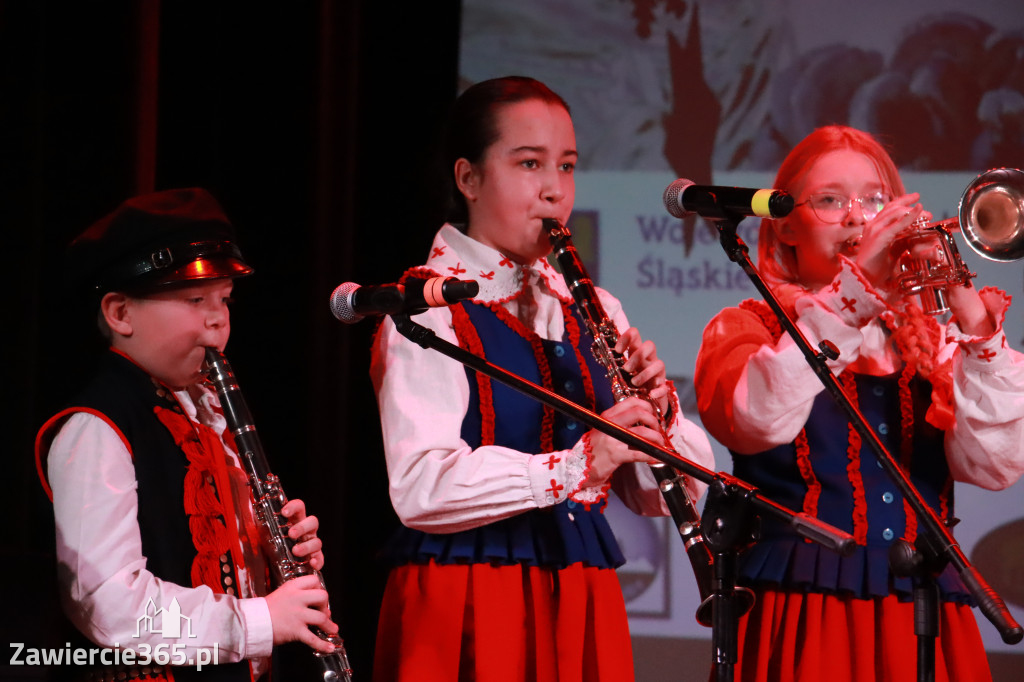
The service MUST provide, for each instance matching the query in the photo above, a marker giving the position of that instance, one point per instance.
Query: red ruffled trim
(868, 287)
(547, 430)
(907, 443)
(765, 313)
(470, 340)
(419, 271)
(860, 504)
(673, 403)
(588, 451)
(573, 329)
(917, 339)
(211, 516)
(944, 496)
(554, 280)
(49, 430)
(940, 411)
(803, 463)
(996, 302)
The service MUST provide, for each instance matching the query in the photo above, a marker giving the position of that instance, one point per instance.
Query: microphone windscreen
(341, 303)
(460, 289)
(672, 196)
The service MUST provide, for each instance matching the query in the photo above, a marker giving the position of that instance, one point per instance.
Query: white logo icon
(165, 622)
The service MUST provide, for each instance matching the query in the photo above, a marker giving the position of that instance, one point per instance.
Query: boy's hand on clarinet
(608, 454)
(295, 606)
(643, 364)
(303, 529)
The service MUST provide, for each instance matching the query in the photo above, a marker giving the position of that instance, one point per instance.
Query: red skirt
(804, 637)
(502, 624)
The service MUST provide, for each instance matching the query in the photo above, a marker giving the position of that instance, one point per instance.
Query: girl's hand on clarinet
(607, 453)
(303, 530)
(643, 364)
(295, 606)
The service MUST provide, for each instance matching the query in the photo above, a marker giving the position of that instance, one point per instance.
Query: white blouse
(438, 483)
(104, 583)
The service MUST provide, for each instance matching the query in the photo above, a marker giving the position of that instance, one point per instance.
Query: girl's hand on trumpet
(874, 255)
(969, 310)
(878, 261)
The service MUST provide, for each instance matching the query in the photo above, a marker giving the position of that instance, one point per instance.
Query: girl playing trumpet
(947, 401)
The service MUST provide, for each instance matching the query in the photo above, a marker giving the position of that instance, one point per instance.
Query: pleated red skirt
(798, 637)
(502, 624)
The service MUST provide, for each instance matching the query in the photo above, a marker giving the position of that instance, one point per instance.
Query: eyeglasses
(833, 208)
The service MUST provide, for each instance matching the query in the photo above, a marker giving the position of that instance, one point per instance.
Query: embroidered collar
(501, 279)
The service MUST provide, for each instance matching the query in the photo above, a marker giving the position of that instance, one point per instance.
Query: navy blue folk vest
(553, 537)
(783, 559)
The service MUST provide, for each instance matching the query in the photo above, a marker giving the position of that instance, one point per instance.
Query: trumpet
(991, 219)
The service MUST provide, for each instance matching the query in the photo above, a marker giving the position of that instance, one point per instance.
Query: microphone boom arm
(805, 525)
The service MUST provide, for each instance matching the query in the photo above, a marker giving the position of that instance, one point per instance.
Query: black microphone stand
(935, 546)
(729, 520)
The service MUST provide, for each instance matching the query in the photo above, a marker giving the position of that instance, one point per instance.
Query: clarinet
(671, 482)
(267, 500)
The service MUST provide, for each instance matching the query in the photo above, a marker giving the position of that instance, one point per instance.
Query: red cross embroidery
(849, 304)
(552, 461)
(457, 270)
(835, 286)
(987, 355)
(554, 488)
(437, 252)
(544, 262)
(487, 275)
(505, 262)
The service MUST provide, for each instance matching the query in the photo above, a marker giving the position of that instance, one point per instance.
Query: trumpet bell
(992, 214)
(991, 219)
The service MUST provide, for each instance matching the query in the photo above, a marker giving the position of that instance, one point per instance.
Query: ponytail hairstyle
(473, 128)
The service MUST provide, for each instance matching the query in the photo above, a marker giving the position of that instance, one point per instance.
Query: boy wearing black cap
(156, 545)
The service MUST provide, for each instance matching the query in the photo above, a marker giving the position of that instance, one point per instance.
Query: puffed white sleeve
(104, 583)
(985, 442)
(437, 482)
(755, 392)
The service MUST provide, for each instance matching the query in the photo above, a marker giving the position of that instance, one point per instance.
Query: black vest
(127, 396)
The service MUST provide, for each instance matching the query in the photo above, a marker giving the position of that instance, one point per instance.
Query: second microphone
(351, 302)
(683, 198)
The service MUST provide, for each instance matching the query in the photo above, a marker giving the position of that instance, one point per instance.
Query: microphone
(351, 302)
(683, 198)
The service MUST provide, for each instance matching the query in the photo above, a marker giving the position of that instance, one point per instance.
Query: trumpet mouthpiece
(850, 246)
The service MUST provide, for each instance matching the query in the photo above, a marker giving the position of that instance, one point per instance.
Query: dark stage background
(313, 123)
